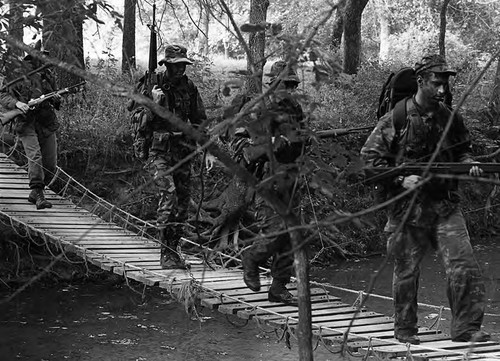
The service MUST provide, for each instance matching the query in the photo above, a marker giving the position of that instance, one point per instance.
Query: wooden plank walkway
(136, 257)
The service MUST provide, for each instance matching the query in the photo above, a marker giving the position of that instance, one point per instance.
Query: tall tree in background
(352, 35)
(494, 101)
(63, 35)
(338, 24)
(10, 58)
(204, 27)
(442, 28)
(384, 20)
(16, 28)
(257, 44)
(128, 43)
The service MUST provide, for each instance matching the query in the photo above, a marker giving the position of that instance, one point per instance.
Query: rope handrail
(140, 226)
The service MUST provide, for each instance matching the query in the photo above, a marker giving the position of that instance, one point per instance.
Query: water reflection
(357, 275)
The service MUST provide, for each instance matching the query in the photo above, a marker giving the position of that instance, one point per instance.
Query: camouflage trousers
(465, 288)
(174, 194)
(279, 247)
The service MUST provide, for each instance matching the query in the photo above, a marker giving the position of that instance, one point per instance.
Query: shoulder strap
(399, 115)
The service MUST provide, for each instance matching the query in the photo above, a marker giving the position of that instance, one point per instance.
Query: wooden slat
(450, 348)
(333, 314)
(109, 246)
(225, 304)
(233, 308)
(270, 312)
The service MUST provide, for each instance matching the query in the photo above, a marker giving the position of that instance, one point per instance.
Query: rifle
(378, 174)
(9, 115)
(256, 151)
(332, 133)
(150, 78)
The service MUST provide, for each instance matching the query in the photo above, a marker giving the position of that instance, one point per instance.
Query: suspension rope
(131, 221)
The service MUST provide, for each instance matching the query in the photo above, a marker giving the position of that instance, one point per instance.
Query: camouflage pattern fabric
(167, 148)
(435, 222)
(276, 119)
(173, 188)
(287, 186)
(464, 285)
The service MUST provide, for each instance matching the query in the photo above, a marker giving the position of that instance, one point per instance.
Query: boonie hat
(435, 63)
(278, 67)
(175, 54)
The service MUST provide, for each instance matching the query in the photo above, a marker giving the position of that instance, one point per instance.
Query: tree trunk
(128, 43)
(16, 29)
(63, 35)
(442, 28)
(494, 103)
(225, 42)
(352, 35)
(338, 25)
(257, 44)
(384, 17)
(9, 59)
(205, 27)
(301, 265)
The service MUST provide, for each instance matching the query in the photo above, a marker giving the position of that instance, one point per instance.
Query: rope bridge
(82, 223)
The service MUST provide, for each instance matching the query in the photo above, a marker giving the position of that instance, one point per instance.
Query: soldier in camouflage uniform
(280, 116)
(167, 147)
(435, 220)
(37, 127)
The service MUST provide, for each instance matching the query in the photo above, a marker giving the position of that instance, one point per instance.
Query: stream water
(357, 276)
(108, 321)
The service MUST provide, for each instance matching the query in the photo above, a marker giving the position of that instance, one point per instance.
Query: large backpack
(397, 89)
(399, 86)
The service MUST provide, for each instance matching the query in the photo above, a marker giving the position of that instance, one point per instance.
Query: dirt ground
(102, 322)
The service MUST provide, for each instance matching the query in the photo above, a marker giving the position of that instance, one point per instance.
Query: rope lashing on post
(437, 322)
(359, 300)
(408, 356)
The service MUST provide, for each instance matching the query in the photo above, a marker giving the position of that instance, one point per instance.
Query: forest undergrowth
(96, 149)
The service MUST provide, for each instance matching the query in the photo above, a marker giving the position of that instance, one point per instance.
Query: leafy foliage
(331, 99)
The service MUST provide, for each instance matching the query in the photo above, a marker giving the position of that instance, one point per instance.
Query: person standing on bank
(281, 116)
(176, 92)
(37, 127)
(435, 219)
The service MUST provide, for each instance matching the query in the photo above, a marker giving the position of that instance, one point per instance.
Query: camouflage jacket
(275, 121)
(183, 99)
(417, 141)
(38, 84)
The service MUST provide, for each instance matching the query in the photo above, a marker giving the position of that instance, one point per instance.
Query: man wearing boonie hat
(281, 115)
(176, 92)
(435, 220)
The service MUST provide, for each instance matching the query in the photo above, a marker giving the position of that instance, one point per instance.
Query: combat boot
(279, 293)
(250, 272)
(169, 258)
(472, 336)
(38, 198)
(172, 260)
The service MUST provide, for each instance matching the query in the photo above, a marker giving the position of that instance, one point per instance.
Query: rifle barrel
(377, 174)
(331, 133)
(8, 116)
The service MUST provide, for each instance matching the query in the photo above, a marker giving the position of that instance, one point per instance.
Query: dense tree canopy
(343, 52)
